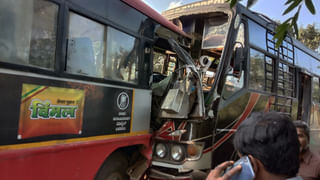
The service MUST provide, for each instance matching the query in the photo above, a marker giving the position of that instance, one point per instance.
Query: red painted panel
(68, 161)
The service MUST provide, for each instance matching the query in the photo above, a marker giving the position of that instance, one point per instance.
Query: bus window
(122, 58)
(257, 35)
(262, 73)
(28, 32)
(99, 51)
(233, 83)
(85, 46)
(164, 64)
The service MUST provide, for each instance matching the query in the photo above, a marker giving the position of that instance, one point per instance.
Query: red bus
(75, 84)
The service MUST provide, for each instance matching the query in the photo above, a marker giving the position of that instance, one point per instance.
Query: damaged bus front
(241, 71)
(188, 110)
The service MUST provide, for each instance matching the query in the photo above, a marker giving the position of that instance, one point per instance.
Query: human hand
(216, 172)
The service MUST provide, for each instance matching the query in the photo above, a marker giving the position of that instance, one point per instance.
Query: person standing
(309, 161)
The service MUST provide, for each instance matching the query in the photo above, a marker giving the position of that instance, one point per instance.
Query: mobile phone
(246, 172)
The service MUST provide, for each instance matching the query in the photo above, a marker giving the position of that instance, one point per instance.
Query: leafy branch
(290, 25)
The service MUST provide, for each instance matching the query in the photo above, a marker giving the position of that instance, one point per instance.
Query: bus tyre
(114, 168)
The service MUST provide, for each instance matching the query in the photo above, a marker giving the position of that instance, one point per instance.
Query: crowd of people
(277, 148)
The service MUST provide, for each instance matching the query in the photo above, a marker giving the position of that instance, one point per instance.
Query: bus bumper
(156, 174)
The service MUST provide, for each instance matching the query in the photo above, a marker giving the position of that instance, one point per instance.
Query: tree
(310, 36)
(291, 23)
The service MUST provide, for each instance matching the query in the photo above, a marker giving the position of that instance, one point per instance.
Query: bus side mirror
(239, 58)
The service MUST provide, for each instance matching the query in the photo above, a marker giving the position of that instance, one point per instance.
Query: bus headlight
(161, 150)
(177, 152)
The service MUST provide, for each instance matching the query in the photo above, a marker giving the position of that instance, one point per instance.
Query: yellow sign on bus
(46, 110)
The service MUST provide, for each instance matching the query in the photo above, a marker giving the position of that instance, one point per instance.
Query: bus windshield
(215, 30)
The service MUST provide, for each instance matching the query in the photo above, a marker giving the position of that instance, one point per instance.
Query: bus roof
(148, 11)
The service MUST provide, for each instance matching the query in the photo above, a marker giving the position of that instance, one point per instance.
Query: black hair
(272, 138)
(303, 125)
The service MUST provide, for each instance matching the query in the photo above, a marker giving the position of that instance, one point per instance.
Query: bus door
(304, 86)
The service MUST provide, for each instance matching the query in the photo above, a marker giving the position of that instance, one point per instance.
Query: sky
(271, 8)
